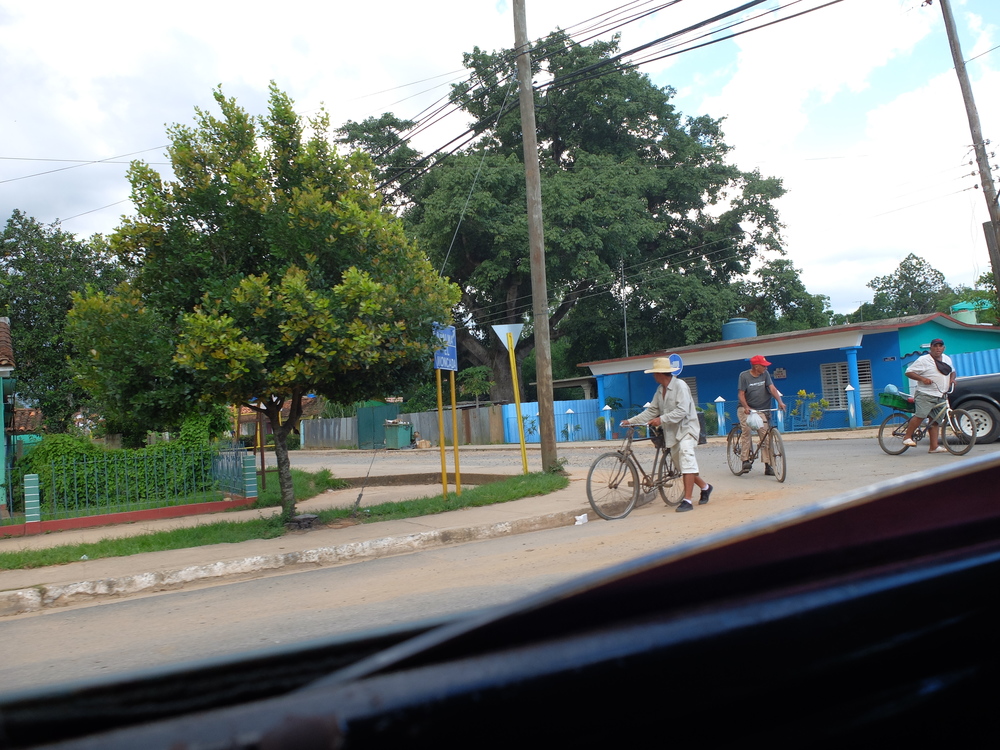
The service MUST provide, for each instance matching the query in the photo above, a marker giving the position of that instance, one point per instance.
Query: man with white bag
(755, 390)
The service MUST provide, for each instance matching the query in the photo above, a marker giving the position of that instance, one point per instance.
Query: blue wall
(802, 373)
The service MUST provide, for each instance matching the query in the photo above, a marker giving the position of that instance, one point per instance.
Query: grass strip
(514, 488)
(229, 532)
(220, 532)
(307, 484)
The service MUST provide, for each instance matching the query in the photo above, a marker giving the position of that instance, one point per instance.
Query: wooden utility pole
(536, 243)
(982, 158)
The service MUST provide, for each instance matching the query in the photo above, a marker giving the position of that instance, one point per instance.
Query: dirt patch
(423, 478)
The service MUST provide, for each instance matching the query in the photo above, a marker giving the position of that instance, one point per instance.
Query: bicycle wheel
(891, 433)
(669, 480)
(612, 485)
(963, 426)
(777, 446)
(733, 450)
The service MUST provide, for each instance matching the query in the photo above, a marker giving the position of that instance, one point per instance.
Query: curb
(41, 597)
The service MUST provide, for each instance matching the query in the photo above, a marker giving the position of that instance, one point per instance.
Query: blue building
(821, 361)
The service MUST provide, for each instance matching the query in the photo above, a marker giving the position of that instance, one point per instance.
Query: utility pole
(536, 243)
(992, 229)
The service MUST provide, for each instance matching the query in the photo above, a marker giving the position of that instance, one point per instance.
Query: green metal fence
(128, 481)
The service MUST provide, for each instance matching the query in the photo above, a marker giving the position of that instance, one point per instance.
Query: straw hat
(664, 365)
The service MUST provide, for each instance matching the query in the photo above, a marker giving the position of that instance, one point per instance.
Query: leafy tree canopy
(912, 289)
(628, 185)
(41, 266)
(778, 300)
(276, 268)
(917, 288)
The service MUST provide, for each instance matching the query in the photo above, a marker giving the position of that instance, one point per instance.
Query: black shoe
(685, 505)
(705, 493)
(747, 465)
(768, 471)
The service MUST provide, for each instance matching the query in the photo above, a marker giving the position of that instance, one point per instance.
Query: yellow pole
(454, 433)
(444, 466)
(517, 401)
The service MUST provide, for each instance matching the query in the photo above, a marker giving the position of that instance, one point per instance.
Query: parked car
(980, 396)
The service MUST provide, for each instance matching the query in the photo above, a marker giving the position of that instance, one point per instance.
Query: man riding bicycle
(755, 390)
(935, 375)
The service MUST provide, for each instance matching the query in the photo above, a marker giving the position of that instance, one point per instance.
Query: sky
(855, 106)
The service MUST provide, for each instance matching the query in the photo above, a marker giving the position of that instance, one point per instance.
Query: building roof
(6, 344)
(26, 422)
(775, 344)
(312, 406)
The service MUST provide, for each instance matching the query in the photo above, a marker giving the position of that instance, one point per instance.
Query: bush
(73, 471)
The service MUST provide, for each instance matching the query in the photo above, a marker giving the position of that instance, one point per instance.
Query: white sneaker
(910, 442)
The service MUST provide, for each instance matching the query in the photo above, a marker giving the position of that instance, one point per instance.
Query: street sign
(447, 357)
(514, 329)
(676, 361)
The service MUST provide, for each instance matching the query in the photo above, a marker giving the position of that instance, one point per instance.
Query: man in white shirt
(935, 374)
(672, 410)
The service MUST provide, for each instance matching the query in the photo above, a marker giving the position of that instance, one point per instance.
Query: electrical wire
(81, 164)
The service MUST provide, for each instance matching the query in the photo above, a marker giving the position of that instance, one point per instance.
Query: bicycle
(613, 481)
(892, 431)
(772, 437)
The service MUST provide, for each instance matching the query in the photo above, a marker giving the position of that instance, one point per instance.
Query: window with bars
(693, 385)
(835, 380)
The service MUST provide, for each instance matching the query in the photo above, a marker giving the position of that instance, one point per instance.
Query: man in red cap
(755, 390)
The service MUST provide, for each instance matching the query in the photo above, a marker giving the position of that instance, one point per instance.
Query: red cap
(759, 360)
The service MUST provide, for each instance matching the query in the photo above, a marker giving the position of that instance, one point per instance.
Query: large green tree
(40, 268)
(124, 363)
(776, 299)
(639, 202)
(915, 287)
(279, 271)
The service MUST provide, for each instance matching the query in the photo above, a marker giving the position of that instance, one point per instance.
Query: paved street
(233, 615)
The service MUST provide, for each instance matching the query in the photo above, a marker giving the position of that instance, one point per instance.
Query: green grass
(223, 532)
(514, 488)
(220, 532)
(307, 484)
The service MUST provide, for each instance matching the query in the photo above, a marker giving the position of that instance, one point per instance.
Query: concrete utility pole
(992, 229)
(536, 243)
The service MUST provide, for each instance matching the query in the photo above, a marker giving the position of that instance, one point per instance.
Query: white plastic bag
(755, 421)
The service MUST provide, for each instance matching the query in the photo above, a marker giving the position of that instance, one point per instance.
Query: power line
(110, 159)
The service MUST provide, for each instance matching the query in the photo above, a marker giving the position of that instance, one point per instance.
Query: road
(116, 637)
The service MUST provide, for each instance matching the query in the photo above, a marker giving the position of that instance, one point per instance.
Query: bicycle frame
(893, 429)
(648, 482)
(772, 436)
(614, 486)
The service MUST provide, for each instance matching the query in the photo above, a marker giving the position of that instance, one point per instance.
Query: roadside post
(851, 415)
(446, 358)
(720, 410)
(508, 334)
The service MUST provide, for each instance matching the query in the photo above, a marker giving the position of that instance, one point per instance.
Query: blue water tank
(738, 328)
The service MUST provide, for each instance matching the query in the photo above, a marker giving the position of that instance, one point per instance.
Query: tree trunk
(497, 359)
(503, 384)
(280, 431)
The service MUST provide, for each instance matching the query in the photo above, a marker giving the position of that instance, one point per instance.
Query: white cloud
(855, 106)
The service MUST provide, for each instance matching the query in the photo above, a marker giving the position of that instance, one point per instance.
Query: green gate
(371, 424)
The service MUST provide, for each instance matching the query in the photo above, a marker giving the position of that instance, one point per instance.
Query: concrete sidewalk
(40, 588)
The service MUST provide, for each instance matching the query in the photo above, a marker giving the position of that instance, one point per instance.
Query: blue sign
(676, 361)
(447, 357)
